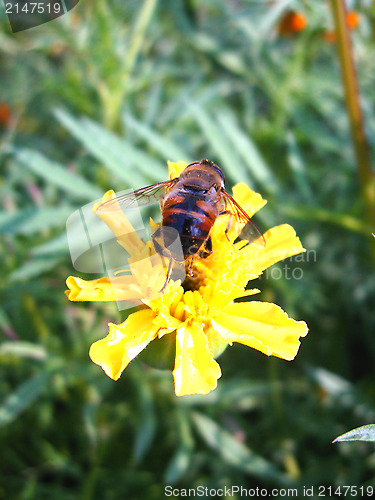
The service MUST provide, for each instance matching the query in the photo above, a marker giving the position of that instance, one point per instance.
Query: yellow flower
(199, 313)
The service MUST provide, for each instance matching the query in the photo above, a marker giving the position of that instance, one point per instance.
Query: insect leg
(225, 212)
(206, 248)
(190, 265)
(168, 277)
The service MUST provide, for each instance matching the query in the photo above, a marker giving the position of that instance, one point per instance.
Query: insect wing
(250, 230)
(139, 198)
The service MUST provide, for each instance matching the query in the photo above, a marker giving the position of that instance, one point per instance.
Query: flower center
(194, 278)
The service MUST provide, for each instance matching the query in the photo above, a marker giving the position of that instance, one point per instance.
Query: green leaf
(178, 465)
(57, 175)
(23, 350)
(4, 321)
(297, 167)
(240, 394)
(182, 459)
(164, 146)
(34, 268)
(271, 17)
(264, 15)
(127, 163)
(344, 220)
(249, 153)
(233, 451)
(56, 246)
(364, 433)
(23, 397)
(217, 139)
(147, 424)
(33, 220)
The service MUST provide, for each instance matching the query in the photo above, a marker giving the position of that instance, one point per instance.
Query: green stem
(113, 98)
(343, 220)
(349, 78)
(36, 318)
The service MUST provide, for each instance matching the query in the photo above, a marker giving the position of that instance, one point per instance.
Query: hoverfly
(189, 205)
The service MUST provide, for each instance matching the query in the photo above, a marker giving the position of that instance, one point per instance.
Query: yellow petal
(195, 371)
(175, 168)
(121, 228)
(100, 290)
(262, 326)
(228, 227)
(248, 199)
(124, 342)
(216, 342)
(165, 305)
(281, 243)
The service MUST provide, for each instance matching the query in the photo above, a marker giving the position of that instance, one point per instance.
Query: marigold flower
(200, 315)
(292, 22)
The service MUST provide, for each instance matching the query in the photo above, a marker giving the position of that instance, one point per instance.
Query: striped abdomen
(192, 216)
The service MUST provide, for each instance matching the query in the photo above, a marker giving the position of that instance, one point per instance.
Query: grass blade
(57, 175)
(23, 350)
(34, 268)
(218, 141)
(233, 451)
(117, 154)
(147, 426)
(23, 397)
(165, 147)
(297, 167)
(33, 220)
(363, 433)
(248, 152)
(56, 246)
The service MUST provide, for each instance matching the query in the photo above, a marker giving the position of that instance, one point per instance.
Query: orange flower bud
(292, 23)
(352, 19)
(5, 114)
(330, 36)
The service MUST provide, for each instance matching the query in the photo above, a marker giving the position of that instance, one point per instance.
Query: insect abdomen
(192, 217)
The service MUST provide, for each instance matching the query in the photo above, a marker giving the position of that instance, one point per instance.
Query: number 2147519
(346, 491)
(33, 8)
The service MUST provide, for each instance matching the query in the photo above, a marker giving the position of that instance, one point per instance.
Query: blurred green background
(100, 99)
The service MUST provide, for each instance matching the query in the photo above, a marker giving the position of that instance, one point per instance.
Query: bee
(189, 204)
